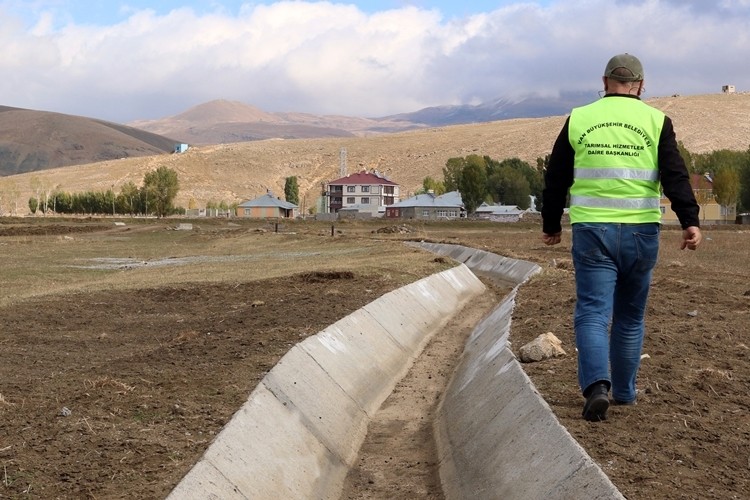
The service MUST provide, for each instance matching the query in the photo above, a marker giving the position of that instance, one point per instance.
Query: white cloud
(329, 58)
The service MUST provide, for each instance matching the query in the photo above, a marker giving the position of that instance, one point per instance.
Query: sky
(138, 60)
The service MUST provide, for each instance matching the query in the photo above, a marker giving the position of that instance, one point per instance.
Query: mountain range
(221, 121)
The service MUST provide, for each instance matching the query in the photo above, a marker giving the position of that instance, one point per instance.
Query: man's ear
(605, 81)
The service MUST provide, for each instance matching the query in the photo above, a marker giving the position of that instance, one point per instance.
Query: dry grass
(242, 171)
(711, 380)
(712, 373)
(215, 251)
(108, 382)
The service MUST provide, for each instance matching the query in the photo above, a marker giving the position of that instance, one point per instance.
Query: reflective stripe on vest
(617, 173)
(616, 203)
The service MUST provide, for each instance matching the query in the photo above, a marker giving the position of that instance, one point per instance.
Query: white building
(368, 192)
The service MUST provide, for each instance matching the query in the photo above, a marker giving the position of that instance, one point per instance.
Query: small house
(428, 206)
(266, 207)
(499, 213)
(180, 147)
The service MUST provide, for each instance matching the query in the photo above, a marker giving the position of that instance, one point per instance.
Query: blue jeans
(613, 266)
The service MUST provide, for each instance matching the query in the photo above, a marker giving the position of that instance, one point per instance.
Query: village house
(711, 211)
(499, 213)
(267, 207)
(365, 192)
(428, 206)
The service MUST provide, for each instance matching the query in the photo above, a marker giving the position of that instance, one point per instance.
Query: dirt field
(689, 434)
(115, 378)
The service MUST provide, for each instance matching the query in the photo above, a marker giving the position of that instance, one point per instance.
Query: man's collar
(622, 95)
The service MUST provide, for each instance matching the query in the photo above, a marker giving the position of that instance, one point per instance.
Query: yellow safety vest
(616, 176)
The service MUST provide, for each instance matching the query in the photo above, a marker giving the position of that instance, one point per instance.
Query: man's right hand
(551, 239)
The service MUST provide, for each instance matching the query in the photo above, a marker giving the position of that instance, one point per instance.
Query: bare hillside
(241, 171)
(36, 140)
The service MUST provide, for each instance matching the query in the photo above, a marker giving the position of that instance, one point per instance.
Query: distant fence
(208, 212)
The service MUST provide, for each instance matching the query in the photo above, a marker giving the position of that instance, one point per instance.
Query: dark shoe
(615, 402)
(597, 403)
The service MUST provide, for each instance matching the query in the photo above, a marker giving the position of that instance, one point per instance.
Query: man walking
(614, 155)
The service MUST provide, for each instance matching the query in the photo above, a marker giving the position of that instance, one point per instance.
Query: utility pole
(342, 162)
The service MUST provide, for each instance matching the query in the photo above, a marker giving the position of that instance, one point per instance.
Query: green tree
(291, 190)
(110, 198)
(719, 159)
(160, 187)
(541, 163)
(686, 156)
(130, 198)
(452, 172)
(101, 203)
(430, 184)
(510, 187)
(473, 183)
(744, 174)
(61, 202)
(726, 188)
(33, 204)
(725, 159)
(512, 181)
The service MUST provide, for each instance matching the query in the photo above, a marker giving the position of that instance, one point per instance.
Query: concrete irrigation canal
(300, 431)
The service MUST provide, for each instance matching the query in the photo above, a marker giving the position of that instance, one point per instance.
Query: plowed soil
(117, 393)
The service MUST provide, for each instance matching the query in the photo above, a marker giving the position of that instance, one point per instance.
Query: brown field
(127, 348)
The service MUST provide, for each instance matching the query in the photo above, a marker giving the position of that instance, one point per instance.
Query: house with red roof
(366, 192)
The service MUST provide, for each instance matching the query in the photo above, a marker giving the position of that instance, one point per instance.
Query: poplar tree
(291, 190)
(161, 186)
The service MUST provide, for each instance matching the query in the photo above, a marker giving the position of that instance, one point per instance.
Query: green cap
(630, 68)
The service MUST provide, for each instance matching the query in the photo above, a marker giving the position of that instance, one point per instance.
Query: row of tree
(481, 179)
(156, 196)
(513, 181)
